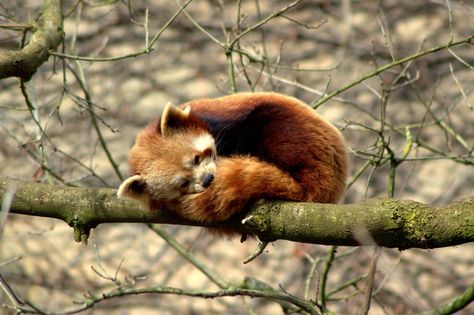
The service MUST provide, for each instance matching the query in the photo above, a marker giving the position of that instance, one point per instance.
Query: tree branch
(386, 67)
(391, 223)
(47, 36)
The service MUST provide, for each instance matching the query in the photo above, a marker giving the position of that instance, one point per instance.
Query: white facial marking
(204, 142)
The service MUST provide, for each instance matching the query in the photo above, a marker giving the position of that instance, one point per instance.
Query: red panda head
(173, 156)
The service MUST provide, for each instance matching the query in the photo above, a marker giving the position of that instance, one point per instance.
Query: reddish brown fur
(269, 146)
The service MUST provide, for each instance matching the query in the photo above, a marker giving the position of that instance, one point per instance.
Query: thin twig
(260, 249)
(391, 65)
(209, 273)
(364, 310)
(324, 277)
(147, 50)
(82, 83)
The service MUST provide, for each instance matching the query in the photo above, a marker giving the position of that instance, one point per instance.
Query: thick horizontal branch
(24, 63)
(390, 223)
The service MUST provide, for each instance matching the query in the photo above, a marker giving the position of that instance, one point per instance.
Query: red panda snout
(207, 179)
(203, 175)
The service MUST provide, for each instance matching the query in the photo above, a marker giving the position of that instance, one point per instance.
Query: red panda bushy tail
(239, 182)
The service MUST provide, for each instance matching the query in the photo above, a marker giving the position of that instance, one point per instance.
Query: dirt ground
(313, 48)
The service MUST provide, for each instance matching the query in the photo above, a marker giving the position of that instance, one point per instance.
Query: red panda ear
(173, 118)
(134, 187)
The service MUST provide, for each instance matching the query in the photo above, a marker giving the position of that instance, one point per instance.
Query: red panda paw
(238, 182)
(220, 200)
(206, 206)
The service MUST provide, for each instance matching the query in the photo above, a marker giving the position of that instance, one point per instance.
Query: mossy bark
(389, 222)
(386, 222)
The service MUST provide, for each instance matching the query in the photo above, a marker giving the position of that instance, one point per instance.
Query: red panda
(209, 159)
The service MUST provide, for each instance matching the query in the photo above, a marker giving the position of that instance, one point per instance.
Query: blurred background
(409, 130)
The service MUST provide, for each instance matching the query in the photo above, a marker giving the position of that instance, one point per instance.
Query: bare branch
(48, 36)
(395, 63)
(391, 223)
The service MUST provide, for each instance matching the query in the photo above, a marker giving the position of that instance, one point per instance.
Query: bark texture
(47, 36)
(384, 221)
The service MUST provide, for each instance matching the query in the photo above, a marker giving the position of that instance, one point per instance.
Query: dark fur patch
(138, 186)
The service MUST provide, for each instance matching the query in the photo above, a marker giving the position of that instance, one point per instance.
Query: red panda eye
(184, 185)
(207, 152)
(197, 159)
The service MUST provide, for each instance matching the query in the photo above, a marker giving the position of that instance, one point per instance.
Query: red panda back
(283, 131)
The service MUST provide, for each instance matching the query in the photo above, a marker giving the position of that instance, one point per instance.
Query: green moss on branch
(388, 222)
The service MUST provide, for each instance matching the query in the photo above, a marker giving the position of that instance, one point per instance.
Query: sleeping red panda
(211, 158)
